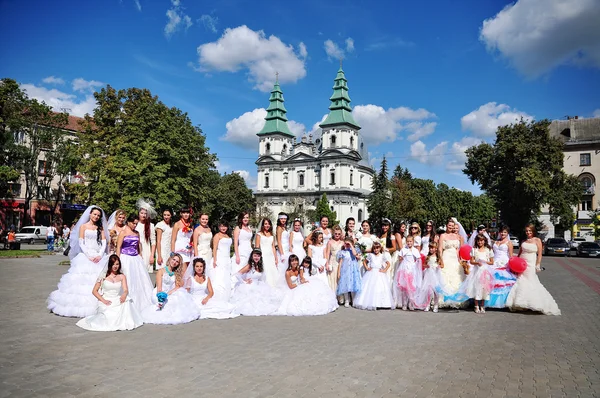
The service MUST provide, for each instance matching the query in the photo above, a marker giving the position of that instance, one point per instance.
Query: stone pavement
(349, 353)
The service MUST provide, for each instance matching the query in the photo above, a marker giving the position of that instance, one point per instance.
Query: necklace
(170, 273)
(186, 226)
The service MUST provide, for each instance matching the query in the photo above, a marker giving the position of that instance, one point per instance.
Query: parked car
(32, 234)
(589, 249)
(576, 241)
(557, 246)
(515, 241)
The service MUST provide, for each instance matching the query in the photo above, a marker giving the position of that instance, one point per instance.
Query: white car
(32, 234)
(576, 241)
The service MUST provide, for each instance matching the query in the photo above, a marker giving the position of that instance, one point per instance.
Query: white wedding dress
(204, 250)
(255, 298)
(214, 308)
(116, 316)
(179, 307)
(165, 243)
(244, 250)
(528, 293)
(221, 275)
(183, 244)
(376, 291)
(453, 273)
(74, 294)
(312, 298)
(138, 280)
(269, 262)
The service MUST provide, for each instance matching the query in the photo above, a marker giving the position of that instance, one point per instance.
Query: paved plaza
(349, 353)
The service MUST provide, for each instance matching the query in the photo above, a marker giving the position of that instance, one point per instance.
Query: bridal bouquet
(162, 299)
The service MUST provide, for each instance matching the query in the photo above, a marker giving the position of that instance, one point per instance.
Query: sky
(427, 79)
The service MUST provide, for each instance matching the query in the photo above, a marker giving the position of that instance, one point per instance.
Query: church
(294, 175)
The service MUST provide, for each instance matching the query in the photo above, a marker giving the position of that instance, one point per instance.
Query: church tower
(275, 138)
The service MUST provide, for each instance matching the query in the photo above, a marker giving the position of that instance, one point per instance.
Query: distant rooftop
(576, 130)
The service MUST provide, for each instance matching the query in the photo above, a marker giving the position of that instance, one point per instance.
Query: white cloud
(484, 122)
(333, 51)
(60, 101)
(302, 50)
(382, 125)
(53, 80)
(243, 48)
(209, 22)
(83, 85)
(596, 113)
(138, 5)
(384, 43)
(242, 130)
(539, 35)
(457, 152)
(250, 179)
(419, 152)
(349, 44)
(176, 19)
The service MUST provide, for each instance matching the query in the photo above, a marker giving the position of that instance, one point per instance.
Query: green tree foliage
(230, 198)
(413, 199)
(379, 202)
(522, 172)
(137, 147)
(29, 131)
(323, 210)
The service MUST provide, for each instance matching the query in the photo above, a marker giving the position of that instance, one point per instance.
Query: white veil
(112, 220)
(74, 238)
(461, 230)
(149, 206)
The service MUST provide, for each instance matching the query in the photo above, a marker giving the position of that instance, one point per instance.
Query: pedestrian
(50, 236)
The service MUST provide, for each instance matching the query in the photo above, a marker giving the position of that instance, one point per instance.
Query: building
(581, 139)
(12, 209)
(294, 175)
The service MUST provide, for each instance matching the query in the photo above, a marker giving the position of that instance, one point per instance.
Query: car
(557, 246)
(515, 241)
(32, 234)
(589, 249)
(576, 241)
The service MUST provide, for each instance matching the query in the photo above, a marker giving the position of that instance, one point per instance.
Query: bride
(115, 310)
(451, 270)
(528, 293)
(88, 254)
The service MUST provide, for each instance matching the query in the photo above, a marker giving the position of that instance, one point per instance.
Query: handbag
(68, 249)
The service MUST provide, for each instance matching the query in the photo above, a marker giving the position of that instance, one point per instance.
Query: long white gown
(312, 298)
(138, 281)
(298, 245)
(256, 298)
(318, 260)
(453, 273)
(214, 308)
(425, 245)
(183, 244)
(179, 307)
(147, 244)
(376, 291)
(74, 294)
(285, 245)
(116, 316)
(528, 293)
(244, 250)
(165, 242)
(221, 275)
(269, 262)
(204, 250)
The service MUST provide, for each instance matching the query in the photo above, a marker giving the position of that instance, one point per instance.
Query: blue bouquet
(162, 299)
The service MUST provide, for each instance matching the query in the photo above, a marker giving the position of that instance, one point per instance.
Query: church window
(301, 179)
(352, 142)
(351, 177)
(267, 181)
(332, 177)
(268, 148)
(333, 139)
(360, 215)
(285, 180)
(361, 181)
(284, 148)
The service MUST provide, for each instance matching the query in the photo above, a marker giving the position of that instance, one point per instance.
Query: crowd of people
(278, 270)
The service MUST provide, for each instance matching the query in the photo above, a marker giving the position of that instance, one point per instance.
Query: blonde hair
(437, 259)
(179, 270)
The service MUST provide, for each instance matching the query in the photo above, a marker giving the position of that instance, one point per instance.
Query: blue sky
(427, 79)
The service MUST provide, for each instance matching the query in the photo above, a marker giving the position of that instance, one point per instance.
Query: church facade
(294, 175)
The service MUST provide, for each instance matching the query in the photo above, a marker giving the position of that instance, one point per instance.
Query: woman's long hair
(146, 225)
(111, 260)
(98, 224)
(240, 220)
(388, 237)
(256, 265)
(179, 270)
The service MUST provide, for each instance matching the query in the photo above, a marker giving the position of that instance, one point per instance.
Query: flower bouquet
(162, 299)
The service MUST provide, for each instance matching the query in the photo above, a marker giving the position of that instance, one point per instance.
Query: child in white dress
(316, 251)
(376, 291)
(409, 276)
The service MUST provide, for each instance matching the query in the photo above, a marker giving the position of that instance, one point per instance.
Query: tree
(230, 198)
(523, 171)
(137, 147)
(323, 210)
(380, 199)
(405, 202)
(64, 160)
(29, 131)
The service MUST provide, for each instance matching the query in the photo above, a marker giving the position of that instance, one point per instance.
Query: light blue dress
(350, 280)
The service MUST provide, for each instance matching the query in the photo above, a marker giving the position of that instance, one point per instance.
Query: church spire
(276, 120)
(340, 111)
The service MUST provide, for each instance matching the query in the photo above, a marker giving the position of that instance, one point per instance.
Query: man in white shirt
(50, 234)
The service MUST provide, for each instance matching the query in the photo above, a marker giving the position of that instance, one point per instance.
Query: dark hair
(347, 221)
(241, 218)
(505, 228)
(279, 219)
(368, 223)
(146, 224)
(485, 241)
(307, 260)
(315, 236)
(432, 233)
(111, 260)
(98, 224)
(258, 265)
(291, 258)
(388, 238)
(225, 224)
(171, 213)
(132, 217)
(201, 261)
(262, 225)
(322, 217)
(185, 210)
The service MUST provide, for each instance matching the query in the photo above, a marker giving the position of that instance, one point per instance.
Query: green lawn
(23, 253)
